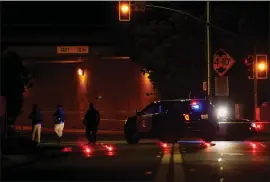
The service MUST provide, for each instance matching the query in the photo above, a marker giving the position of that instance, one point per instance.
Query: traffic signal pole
(255, 85)
(208, 49)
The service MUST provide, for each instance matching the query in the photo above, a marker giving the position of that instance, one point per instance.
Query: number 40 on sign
(222, 62)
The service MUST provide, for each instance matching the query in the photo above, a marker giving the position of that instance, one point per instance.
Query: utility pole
(269, 28)
(208, 50)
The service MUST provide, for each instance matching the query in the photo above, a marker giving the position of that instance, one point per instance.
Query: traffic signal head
(124, 10)
(249, 61)
(261, 67)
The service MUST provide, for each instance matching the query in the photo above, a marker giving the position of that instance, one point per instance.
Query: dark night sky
(105, 13)
(58, 13)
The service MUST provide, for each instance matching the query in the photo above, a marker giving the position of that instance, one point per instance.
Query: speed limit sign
(222, 62)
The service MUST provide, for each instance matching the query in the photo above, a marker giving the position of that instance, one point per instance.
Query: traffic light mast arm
(193, 17)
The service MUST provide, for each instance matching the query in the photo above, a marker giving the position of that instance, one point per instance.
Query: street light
(80, 72)
(124, 10)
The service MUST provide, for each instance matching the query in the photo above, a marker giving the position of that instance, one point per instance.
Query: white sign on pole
(222, 86)
(72, 49)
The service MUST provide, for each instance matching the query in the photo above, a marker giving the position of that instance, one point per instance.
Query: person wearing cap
(36, 118)
(91, 122)
(59, 122)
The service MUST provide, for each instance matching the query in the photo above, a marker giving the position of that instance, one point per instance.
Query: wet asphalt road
(186, 161)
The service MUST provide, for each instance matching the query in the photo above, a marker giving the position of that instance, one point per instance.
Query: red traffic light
(124, 10)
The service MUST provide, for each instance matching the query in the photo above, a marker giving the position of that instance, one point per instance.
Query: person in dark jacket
(91, 122)
(36, 118)
(59, 121)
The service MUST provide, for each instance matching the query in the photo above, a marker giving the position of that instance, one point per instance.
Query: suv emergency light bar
(195, 105)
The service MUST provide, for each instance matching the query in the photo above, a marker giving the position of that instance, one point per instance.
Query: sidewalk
(18, 150)
(14, 160)
(72, 131)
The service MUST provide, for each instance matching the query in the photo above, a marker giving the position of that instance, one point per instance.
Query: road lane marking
(177, 155)
(232, 154)
(175, 168)
(179, 173)
(161, 175)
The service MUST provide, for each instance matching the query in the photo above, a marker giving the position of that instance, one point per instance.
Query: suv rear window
(176, 107)
(200, 106)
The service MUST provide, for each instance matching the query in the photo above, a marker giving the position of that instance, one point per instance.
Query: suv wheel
(208, 135)
(131, 135)
(208, 138)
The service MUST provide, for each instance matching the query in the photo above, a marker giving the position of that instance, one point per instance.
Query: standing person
(59, 122)
(36, 118)
(91, 122)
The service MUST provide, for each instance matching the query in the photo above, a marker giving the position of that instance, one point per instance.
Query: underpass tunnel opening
(114, 86)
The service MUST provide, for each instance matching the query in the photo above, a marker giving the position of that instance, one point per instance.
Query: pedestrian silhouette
(91, 122)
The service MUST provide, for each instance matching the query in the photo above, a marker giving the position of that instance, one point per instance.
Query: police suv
(168, 120)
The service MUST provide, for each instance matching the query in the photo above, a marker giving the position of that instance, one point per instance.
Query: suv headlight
(222, 112)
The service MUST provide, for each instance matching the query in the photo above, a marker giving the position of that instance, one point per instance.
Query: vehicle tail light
(186, 116)
(257, 126)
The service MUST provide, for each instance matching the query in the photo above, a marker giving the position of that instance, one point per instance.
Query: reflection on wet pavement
(185, 161)
(228, 161)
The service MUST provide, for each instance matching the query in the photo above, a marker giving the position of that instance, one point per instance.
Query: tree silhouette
(168, 45)
(15, 78)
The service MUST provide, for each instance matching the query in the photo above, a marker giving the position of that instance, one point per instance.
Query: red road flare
(164, 145)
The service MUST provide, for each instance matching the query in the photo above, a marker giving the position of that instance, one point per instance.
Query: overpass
(39, 37)
(116, 78)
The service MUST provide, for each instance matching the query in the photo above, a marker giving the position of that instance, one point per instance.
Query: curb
(74, 131)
